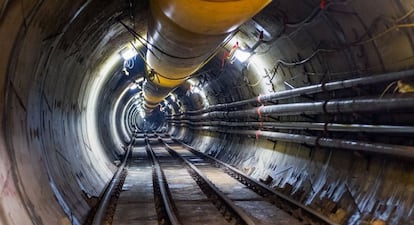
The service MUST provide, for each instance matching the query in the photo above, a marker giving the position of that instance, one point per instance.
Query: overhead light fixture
(141, 112)
(195, 89)
(172, 97)
(191, 82)
(241, 55)
(128, 53)
(133, 87)
(139, 80)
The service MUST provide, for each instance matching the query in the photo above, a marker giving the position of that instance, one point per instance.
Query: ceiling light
(241, 56)
(141, 112)
(172, 97)
(195, 89)
(128, 53)
(139, 80)
(191, 82)
(133, 87)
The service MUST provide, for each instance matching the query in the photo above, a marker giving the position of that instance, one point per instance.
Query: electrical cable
(387, 88)
(140, 38)
(298, 63)
(396, 26)
(315, 13)
(156, 74)
(396, 23)
(309, 18)
(202, 64)
(290, 64)
(255, 84)
(130, 63)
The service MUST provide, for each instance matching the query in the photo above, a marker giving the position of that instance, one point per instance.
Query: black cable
(315, 12)
(298, 63)
(145, 43)
(139, 37)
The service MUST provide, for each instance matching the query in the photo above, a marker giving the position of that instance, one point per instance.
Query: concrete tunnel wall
(348, 186)
(55, 157)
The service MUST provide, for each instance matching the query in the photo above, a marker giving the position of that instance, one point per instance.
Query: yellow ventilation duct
(183, 35)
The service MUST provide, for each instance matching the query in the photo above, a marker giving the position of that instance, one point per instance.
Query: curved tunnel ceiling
(69, 107)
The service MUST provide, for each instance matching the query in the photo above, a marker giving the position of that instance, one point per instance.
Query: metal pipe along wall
(184, 36)
(312, 108)
(312, 89)
(381, 148)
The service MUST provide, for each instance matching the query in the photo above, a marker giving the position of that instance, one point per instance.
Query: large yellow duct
(184, 34)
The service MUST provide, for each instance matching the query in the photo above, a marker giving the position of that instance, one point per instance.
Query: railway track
(169, 182)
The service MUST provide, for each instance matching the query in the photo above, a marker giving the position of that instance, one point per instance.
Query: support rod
(307, 125)
(388, 149)
(336, 85)
(334, 106)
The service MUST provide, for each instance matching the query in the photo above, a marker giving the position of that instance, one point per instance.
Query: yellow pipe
(184, 35)
(210, 17)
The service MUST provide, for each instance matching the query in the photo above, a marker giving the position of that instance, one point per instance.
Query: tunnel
(314, 98)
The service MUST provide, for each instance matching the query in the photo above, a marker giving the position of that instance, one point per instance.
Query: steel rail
(260, 188)
(242, 216)
(101, 212)
(162, 185)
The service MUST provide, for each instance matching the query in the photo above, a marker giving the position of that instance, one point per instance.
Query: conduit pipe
(337, 85)
(307, 125)
(183, 36)
(388, 149)
(329, 106)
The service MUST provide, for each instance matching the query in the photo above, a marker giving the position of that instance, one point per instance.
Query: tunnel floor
(167, 182)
